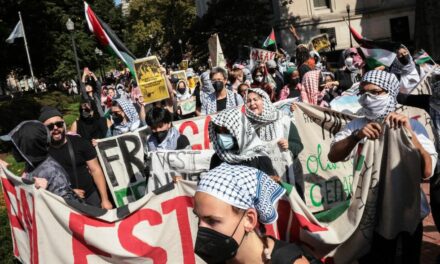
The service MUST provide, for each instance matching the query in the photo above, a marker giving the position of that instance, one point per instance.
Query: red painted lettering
(136, 246)
(81, 249)
(14, 219)
(180, 205)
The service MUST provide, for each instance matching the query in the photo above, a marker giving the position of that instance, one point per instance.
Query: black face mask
(181, 90)
(218, 86)
(117, 119)
(405, 59)
(215, 247)
(86, 113)
(160, 136)
(294, 82)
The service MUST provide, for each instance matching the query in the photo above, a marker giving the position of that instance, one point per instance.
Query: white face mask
(259, 79)
(349, 62)
(375, 107)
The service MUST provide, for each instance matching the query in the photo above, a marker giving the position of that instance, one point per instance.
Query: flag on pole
(16, 33)
(270, 40)
(422, 57)
(108, 39)
(377, 53)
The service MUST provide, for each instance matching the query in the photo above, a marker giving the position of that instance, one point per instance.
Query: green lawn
(12, 113)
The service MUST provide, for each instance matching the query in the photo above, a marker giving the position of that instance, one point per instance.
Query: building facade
(374, 19)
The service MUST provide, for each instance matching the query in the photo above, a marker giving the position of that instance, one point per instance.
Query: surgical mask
(375, 107)
(405, 59)
(215, 247)
(218, 86)
(259, 79)
(225, 141)
(160, 136)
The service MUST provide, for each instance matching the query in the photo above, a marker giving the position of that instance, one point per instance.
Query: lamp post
(349, 24)
(71, 27)
(99, 53)
(181, 50)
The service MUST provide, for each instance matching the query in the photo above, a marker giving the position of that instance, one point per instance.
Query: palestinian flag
(270, 40)
(377, 53)
(108, 39)
(422, 57)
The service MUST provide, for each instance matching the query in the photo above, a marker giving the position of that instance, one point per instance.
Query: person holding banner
(233, 204)
(78, 157)
(272, 125)
(164, 136)
(222, 98)
(378, 91)
(235, 142)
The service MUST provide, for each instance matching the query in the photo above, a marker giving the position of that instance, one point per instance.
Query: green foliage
(239, 23)
(160, 24)
(49, 41)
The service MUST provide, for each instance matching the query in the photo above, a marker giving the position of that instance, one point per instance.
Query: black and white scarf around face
(249, 145)
(264, 123)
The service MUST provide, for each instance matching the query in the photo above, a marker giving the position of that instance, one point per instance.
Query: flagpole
(276, 47)
(27, 52)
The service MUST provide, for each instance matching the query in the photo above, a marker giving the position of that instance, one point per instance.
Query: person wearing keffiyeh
(379, 90)
(233, 203)
(272, 125)
(405, 69)
(125, 117)
(235, 142)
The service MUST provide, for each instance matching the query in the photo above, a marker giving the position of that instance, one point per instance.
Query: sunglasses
(58, 124)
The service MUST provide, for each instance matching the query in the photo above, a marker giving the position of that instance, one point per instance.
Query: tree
(49, 41)
(239, 23)
(159, 24)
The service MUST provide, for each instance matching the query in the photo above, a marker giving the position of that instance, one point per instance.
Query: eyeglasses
(58, 124)
(373, 92)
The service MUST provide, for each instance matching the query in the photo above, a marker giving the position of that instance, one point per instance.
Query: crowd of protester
(242, 97)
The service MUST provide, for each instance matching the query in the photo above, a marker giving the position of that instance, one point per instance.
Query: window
(321, 3)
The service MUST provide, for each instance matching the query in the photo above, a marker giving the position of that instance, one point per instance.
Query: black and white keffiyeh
(386, 81)
(133, 118)
(232, 100)
(169, 143)
(265, 122)
(249, 145)
(245, 188)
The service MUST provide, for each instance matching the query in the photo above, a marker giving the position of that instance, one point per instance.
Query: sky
(117, 2)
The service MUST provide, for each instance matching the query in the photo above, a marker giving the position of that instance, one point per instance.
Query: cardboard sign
(150, 79)
(320, 42)
(261, 56)
(187, 106)
(181, 75)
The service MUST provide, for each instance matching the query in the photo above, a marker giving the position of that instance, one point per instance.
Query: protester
(182, 91)
(272, 125)
(274, 76)
(242, 89)
(351, 72)
(304, 62)
(236, 77)
(293, 88)
(164, 135)
(258, 77)
(31, 144)
(236, 142)
(222, 98)
(124, 116)
(140, 109)
(379, 90)
(405, 70)
(233, 203)
(89, 126)
(77, 156)
(312, 91)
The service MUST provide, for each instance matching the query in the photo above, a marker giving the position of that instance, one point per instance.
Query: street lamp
(349, 24)
(71, 27)
(181, 50)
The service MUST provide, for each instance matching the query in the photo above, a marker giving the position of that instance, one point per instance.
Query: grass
(12, 113)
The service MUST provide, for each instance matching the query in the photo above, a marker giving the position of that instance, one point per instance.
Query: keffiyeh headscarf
(386, 81)
(398, 68)
(243, 187)
(169, 143)
(132, 116)
(186, 95)
(211, 101)
(249, 145)
(265, 122)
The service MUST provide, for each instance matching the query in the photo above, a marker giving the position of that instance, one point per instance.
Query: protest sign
(261, 56)
(346, 104)
(187, 106)
(320, 42)
(196, 130)
(150, 79)
(180, 75)
(215, 52)
(122, 161)
(164, 165)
